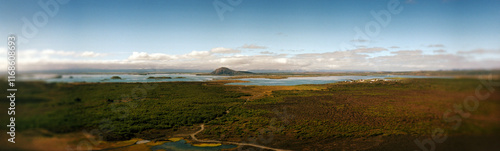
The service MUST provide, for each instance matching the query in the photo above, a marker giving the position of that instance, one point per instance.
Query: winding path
(235, 143)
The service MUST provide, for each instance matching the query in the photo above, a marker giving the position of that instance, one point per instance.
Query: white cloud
(146, 56)
(408, 52)
(479, 51)
(417, 61)
(91, 54)
(3, 52)
(224, 50)
(281, 60)
(199, 54)
(369, 50)
(356, 59)
(50, 53)
(57, 53)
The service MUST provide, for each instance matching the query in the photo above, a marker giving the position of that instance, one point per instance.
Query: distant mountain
(227, 71)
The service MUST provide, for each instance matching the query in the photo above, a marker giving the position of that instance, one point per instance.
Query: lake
(127, 78)
(317, 80)
(182, 145)
(94, 78)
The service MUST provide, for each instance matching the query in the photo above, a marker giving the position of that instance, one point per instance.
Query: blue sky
(109, 32)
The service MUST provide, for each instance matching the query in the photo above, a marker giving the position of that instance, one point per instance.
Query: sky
(288, 35)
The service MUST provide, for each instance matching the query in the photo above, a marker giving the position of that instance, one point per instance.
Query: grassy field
(354, 116)
(362, 114)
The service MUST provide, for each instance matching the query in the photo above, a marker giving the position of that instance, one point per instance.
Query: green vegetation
(116, 77)
(290, 117)
(122, 109)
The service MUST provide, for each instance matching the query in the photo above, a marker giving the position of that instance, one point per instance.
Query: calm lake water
(314, 80)
(95, 78)
(182, 145)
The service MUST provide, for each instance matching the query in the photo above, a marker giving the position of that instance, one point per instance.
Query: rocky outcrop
(227, 71)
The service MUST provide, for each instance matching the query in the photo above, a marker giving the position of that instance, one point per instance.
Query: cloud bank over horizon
(361, 59)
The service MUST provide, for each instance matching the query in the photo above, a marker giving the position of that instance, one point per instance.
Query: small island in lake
(159, 77)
